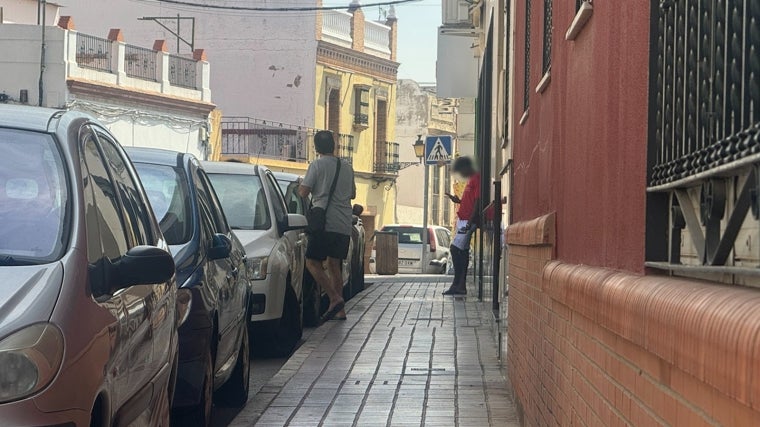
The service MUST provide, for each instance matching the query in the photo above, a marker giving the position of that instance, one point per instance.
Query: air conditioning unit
(456, 12)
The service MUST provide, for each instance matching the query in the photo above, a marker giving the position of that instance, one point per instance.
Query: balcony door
(333, 115)
(381, 125)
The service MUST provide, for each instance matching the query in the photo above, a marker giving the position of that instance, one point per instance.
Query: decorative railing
(337, 24)
(140, 62)
(93, 52)
(261, 138)
(704, 147)
(361, 119)
(377, 37)
(345, 148)
(386, 157)
(182, 71)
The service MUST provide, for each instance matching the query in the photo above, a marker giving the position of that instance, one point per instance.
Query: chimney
(66, 22)
(392, 21)
(357, 26)
(199, 54)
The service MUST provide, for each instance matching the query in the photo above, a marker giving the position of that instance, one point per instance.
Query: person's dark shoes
(331, 313)
(455, 291)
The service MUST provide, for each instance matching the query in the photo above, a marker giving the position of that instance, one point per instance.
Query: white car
(412, 257)
(274, 245)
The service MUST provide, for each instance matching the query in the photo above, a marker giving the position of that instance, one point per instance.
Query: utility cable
(281, 9)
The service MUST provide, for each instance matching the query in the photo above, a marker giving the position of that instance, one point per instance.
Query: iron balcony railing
(704, 145)
(182, 71)
(386, 157)
(93, 52)
(361, 119)
(706, 87)
(345, 148)
(140, 62)
(261, 138)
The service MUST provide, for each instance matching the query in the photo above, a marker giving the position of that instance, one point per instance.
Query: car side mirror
(295, 222)
(143, 265)
(221, 247)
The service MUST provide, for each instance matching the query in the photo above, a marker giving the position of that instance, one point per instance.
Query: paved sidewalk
(406, 356)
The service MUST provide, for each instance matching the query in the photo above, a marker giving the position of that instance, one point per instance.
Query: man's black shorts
(328, 244)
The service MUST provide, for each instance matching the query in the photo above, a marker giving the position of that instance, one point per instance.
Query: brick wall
(592, 346)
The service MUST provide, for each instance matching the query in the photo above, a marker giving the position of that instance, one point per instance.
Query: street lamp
(419, 151)
(419, 148)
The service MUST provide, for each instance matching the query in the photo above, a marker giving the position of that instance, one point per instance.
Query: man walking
(330, 181)
(467, 217)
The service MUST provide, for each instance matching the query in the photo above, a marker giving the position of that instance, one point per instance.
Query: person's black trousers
(461, 260)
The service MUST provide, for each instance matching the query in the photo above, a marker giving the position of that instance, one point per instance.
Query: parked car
(274, 246)
(213, 342)
(412, 257)
(315, 299)
(89, 305)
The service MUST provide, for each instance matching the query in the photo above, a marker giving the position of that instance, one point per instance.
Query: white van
(412, 258)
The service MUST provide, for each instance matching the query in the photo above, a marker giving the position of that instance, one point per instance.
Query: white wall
(263, 63)
(25, 12)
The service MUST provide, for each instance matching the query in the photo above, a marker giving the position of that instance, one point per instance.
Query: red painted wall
(582, 150)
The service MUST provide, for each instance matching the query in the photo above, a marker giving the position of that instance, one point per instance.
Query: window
(407, 235)
(548, 28)
(215, 208)
(361, 106)
(106, 206)
(280, 211)
(243, 200)
(34, 198)
(169, 197)
(136, 212)
(526, 83)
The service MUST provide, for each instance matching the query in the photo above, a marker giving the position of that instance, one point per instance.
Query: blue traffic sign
(438, 150)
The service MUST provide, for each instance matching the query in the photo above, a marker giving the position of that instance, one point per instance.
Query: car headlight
(30, 359)
(257, 268)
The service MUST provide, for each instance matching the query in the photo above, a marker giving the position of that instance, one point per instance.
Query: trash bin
(386, 252)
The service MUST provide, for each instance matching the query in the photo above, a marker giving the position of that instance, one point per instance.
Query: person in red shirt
(467, 218)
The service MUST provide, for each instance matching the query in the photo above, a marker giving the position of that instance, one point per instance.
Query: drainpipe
(43, 4)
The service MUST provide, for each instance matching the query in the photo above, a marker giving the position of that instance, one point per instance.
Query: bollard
(386, 252)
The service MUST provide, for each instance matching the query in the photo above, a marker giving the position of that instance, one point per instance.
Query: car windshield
(33, 199)
(407, 234)
(170, 199)
(243, 200)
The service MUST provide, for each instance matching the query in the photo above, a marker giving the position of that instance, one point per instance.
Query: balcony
(111, 61)
(704, 149)
(266, 139)
(345, 149)
(386, 158)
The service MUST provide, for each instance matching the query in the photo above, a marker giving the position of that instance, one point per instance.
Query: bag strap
(334, 183)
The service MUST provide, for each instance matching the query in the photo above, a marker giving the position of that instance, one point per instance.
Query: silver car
(412, 257)
(88, 303)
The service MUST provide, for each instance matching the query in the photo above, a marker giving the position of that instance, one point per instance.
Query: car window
(34, 198)
(109, 216)
(137, 215)
(215, 208)
(293, 200)
(208, 226)
(243, 200)
(407, 235)
(278, 203)
(169, 197)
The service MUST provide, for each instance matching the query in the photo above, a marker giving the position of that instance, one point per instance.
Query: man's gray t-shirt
(319, 178)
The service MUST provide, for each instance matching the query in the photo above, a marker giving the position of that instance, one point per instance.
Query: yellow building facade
(354, 97)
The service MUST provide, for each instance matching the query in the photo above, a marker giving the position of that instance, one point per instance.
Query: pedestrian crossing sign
(437, 150)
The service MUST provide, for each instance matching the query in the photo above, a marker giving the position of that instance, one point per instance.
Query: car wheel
(200, 414)
(235, 391)
(312, 300)
(290, 328)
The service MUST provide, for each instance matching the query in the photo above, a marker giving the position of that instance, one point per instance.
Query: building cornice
(348, 59)
(141, 97)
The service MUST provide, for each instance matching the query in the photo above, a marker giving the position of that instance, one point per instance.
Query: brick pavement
(406, 356)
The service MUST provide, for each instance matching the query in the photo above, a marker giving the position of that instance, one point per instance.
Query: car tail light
(431, 240)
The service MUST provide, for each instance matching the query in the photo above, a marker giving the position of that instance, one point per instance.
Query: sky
(417, 39)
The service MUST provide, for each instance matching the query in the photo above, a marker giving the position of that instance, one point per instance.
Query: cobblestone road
(405, 356)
